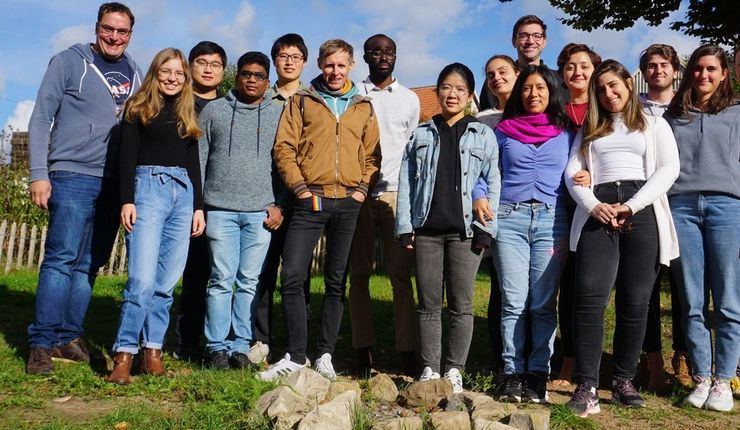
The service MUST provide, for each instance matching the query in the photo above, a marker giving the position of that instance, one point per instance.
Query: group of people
(575, 182)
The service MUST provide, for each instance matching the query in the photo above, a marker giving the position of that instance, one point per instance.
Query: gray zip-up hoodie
(709, 151)
(75, 104)
(236, 154)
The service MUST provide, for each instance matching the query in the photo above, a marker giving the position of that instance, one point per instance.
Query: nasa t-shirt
(118, 74)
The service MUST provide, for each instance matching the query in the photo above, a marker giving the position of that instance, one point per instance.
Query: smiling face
(535, 94)
(289, 63)
(335, 68)
(252, 83)
(612, 92)
(171, 77)
(659, 73)
(708, 74)
(529, 42)
(112, 35)
(453, 95)
(577, 73)
(500, 78)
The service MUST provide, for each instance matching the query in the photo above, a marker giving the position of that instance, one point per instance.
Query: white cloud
(18, 121)
(68, 36)
(236, 37)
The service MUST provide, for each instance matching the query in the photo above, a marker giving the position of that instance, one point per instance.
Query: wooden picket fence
(22, 247)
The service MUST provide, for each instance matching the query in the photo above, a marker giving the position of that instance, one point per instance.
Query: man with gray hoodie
(239, 191)
(73, 140)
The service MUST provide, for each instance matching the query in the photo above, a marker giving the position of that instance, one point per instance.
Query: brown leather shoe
(121, 373)
(74, 351)
(39, 361)
(681, 370)
(151, 362)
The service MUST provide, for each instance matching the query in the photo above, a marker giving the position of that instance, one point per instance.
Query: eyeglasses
(107, 30)
(377, 54)
(166, 73)
(446, 89)
(203, 64)
(535, 36)
(285, 57)
(259, 77)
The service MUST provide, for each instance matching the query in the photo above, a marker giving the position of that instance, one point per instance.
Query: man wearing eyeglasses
(397, 110)
(241, 206)
(529, 38)
(207, 61)
(73, 139)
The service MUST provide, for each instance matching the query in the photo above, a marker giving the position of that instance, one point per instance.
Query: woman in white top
(622, 229)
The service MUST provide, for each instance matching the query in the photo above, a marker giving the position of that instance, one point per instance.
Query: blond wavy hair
(146, 103)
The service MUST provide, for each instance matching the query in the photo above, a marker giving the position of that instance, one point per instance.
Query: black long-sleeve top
(158, 144)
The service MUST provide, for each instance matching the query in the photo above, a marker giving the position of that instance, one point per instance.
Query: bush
(15, 197)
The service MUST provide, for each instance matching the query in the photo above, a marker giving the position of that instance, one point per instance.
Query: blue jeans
(239, 242)
(83, 222)
(157, 250)
(530, 252)
(708, 227)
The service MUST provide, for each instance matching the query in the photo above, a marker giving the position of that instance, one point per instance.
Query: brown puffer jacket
(314, 151)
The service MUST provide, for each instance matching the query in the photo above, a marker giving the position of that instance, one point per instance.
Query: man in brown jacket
(328, 154)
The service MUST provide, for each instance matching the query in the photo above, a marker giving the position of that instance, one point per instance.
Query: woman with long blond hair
(622, 229)
(162, 207)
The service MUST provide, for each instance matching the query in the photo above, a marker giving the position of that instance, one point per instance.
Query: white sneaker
(699, 396)
(257, 353)
(455, 378)
(324, 367)
(427, 374)
(720, 397)
(280, 369)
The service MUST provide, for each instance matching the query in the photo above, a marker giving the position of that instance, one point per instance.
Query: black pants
(626, 259)
(339, 216)
(191, 313)
(262, 326)
(565, 295)
(653, 342)
(494, 318)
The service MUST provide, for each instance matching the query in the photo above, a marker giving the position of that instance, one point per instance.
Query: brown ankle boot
(121, 373)
(151, 362)
(657, 383)
(681, 370)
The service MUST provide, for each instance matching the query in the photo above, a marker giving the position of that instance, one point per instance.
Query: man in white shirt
(397, 110)
(659, 65)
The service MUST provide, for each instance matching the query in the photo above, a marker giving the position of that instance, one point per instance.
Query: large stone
(427, 394)
(283, 406)
(530, 419)
(484, 424)
(455, 403)
(338, 387)
(333, 415)
(382, 387)
(450, 420)
(308, 383)
(407, 423)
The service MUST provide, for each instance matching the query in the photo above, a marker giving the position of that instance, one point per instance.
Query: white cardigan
(661, 169)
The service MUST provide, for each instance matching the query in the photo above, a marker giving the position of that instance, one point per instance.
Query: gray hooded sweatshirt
(236, 154)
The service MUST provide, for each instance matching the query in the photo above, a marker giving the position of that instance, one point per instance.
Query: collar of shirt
(276, 94)
(368, 86)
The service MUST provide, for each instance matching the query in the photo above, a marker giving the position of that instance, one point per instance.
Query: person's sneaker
(428, 374)
(188, 353)
(511, 389)
(535, 388)
(625, 394)
(218, 360)
(324, 367)
(585, 401)
(280, 369)
(700, 394)
(75, 351)
(735, 385)
(258, 352)
(239, 360)
(39, 361)
(453, 375)
(720, 397)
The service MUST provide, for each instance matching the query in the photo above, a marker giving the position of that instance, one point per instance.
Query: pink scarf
(531, 129)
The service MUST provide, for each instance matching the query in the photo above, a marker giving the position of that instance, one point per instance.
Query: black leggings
(626, 259)
(652, 342)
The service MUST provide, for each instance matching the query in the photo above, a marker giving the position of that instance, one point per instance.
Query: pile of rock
(308, 401)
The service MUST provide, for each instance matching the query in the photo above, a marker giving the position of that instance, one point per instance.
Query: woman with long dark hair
(622, 229)
(162, 207)
(439, 169)
(705, 202)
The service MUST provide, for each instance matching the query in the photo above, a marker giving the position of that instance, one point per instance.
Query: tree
(229, 79)
(714, 21)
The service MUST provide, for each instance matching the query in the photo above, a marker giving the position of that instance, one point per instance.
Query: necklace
(575, 117)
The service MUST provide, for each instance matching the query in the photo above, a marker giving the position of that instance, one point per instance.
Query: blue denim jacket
(478, 158)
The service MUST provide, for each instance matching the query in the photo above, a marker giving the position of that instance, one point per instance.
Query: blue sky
(429, 34)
